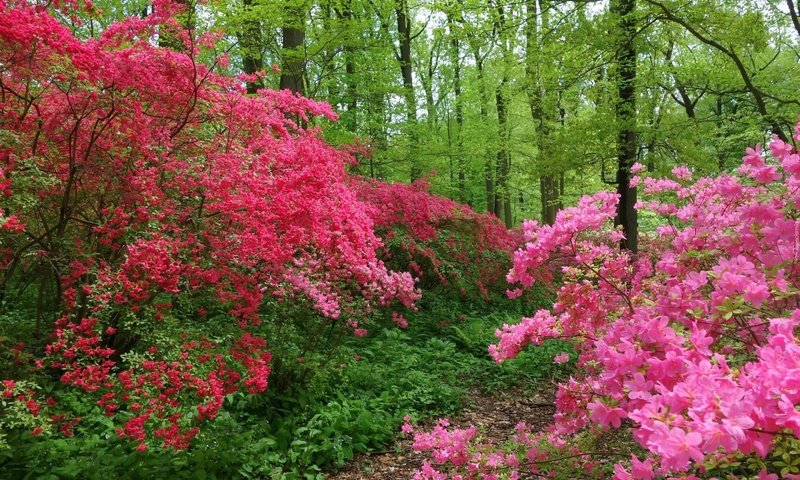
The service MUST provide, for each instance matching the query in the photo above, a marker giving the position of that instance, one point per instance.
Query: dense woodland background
(517, 107)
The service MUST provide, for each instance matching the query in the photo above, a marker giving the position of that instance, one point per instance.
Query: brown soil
(494, 415)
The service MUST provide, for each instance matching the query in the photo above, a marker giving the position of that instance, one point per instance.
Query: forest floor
(494, 414)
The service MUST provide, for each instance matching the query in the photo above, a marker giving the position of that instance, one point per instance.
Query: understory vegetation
(318, 413)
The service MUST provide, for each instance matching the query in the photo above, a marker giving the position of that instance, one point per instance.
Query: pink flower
(766, 174)
(753, 157)
(676, 446)
(641, 470)
(399, 320)
(605, 416)
(514, 293)
(756, 293)
(562, 357)
(682, 173)
(764, 475)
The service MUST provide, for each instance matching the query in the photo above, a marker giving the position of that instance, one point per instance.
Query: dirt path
(494, 415)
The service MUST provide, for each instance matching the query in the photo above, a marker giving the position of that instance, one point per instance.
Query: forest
(386, 239)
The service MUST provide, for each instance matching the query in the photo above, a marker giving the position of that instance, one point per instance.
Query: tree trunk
(250, 46)
(502, 203)
(350, 120)
(376, 114)
(404, 35)
(501, 193)
(427, 80)
(294, 35)
(488, 164)
(793, 14)
(455, 61)
(541, 114)
(627, 143)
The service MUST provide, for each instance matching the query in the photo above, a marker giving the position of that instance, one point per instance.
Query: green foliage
(785, 459)
(348, 395)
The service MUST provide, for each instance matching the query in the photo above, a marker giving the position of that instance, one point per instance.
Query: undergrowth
(353, 402)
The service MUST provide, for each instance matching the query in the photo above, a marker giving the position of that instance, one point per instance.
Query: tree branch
(755, 92)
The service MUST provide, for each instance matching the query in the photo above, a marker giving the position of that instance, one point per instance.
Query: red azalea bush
(446, 244)
(134, 180)
(692, 344)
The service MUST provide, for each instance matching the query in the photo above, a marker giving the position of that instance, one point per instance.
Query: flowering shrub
(693, 344)
(463, 449)
(20, 409)
(135, 180)
(444, 243)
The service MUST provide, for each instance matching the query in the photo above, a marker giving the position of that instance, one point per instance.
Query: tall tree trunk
(627, 144)
(654, 124)
(427, 79)
(488, 166)
(502, 203)
(327, 61)
(455, 61)
(294, 35)
(541, 114)
(351, 101)
(501, 191)
(793, 14)
(250, 46)
(404, 35)
(376, 126)
(427, 85)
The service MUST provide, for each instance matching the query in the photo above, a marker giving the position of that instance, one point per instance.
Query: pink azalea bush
(445, 244)
(692, 344)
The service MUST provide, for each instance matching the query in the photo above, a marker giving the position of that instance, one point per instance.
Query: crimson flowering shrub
(692, 344)
(134, 180)
(444, 243)
(18, 401)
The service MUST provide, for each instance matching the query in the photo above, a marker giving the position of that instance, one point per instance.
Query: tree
(250, 45)
(730, 52)
(455, 61)
(406, 73)
(293, 37)
(502, 194)
(555, 60)
(627, 143)
(537, 21)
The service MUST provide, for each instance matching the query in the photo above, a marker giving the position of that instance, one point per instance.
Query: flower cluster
(20, 409)
(444, 243)
(462, 449)
(680, 340)
(693, 343)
